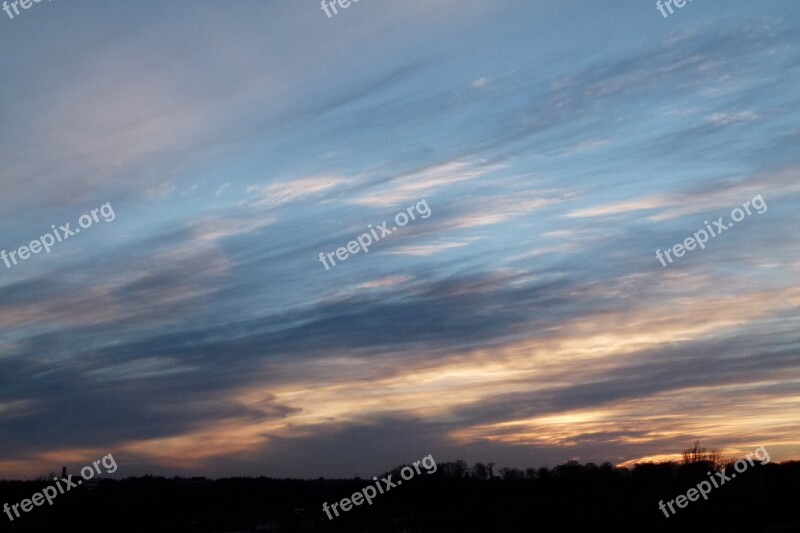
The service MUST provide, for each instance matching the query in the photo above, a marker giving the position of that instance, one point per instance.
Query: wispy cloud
(418, 184)
(275, 194)
(427, 249)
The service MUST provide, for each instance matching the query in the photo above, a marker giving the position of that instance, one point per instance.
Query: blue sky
(527, 321)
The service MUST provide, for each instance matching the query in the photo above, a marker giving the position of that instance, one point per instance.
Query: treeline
(456, 498)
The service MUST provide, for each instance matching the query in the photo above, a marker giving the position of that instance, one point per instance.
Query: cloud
(202, 335)
(417, 184)
(427, 249)
(386, 282)
(222, 188)
(721, 196)
(726, 119)
(622, 207)
(276, 194)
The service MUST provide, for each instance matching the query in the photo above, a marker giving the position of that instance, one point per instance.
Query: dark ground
(567, 498)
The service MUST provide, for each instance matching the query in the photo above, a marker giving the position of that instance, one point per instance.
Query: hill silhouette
(455, 498)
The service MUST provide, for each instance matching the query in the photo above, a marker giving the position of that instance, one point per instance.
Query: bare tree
(697, 454)
(692, 453)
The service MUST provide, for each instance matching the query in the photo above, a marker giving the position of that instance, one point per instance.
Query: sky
(548, 150)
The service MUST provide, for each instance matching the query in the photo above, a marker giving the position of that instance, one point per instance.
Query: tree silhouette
(480, 471)
(697, 454)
